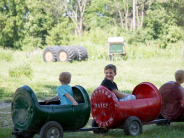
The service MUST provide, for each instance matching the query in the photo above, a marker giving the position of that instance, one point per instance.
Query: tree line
(37, 23)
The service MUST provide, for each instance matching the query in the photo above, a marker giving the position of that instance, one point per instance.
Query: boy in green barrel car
(65, 94)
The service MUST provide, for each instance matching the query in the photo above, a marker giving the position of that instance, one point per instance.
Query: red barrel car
(172, 95)
(110, 113)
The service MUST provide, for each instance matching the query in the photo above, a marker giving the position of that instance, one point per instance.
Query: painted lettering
(101, 105)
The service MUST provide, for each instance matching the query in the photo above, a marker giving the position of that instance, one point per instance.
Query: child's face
(183, 80)
(109, 74)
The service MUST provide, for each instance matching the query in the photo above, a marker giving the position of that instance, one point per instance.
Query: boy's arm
(119, 94)
(71, 99)
(53, 98)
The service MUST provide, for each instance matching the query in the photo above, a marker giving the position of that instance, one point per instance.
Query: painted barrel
(172, 95)
(28, 115)
(108, 112)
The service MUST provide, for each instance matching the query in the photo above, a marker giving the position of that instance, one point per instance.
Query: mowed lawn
(89, 74)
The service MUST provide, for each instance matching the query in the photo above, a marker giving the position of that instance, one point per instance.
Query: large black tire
(31, 135)
(65, 54)
(50, 53)
(51, 129)
(81, 52)
(76, 57)
(132, 126)
(100, 130)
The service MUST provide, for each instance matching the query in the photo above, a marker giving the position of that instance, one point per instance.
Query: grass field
(43, 79)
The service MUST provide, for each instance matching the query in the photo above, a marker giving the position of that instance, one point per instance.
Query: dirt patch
(5, 115)
(4, 105)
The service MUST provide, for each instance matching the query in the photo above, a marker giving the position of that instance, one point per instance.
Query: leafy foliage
(29, 24)
(59, 35)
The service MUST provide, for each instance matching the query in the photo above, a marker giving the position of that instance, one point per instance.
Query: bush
(141, 36)
(23, 70)
(141, 51)
(31, 42)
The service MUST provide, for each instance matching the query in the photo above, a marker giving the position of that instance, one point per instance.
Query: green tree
(60, 34)
(100, 14)
(165, 20)
(12, 18)
(40, 21)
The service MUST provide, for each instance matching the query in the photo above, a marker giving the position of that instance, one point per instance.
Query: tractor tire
(65, 54)
(76, 53)
(81, 52)
(50, 53)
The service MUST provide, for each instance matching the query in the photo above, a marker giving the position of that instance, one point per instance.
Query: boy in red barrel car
(110, 73)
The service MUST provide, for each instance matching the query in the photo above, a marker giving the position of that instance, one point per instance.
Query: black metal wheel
(132, 126)
(30, 135)
(51, 129)
(100, 130)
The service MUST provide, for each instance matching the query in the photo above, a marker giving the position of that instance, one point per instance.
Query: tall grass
(6, 55)
(139, 51)
(21, 70)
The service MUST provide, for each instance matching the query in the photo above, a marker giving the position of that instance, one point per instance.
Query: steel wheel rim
(134, 128)
(63, 56)
(48, 56)
(53, 132)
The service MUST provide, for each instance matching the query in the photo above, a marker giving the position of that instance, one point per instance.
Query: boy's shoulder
(109, 84)
(107, 81)
(63, 87)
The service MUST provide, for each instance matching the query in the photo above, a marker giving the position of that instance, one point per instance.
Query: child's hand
(46, 101)
(75, 103)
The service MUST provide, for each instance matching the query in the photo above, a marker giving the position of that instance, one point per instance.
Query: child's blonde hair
(65, 77)
(110, 66)
(179, 75)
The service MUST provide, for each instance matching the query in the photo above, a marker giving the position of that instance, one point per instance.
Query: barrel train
(161, 106)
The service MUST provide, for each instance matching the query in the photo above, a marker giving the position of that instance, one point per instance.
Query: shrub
(31, 42)
(23, 70)
(141, 36)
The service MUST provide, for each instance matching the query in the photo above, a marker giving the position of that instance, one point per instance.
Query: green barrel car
(31, 117)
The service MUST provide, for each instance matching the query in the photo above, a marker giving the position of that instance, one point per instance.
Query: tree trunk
(137, 13)
(131, 25)
(143, 2)
(133, 16)
(80, 6)
(81, 27)
(121, 18)
(126, 14)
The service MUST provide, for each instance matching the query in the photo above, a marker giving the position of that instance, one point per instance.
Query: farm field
(43, 79)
